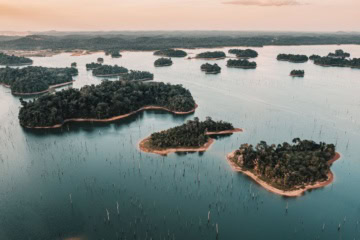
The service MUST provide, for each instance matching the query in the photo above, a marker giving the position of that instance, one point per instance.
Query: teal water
(170, 197)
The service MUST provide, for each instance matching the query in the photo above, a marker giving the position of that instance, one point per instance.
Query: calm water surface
(100, 165)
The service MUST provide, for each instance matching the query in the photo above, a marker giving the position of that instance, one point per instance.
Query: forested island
(92, 66)
(247, 53)
(171, 53)
(211, 55)
(210, 68)
(137, 76)
(35, 80)
(109, 71)
(116, 54)
(100, 60)
(11, 60)
(74, 65)
(297, 73)
(163, 62)
(314, 56)
(241, 63)
(108, 101)
(189, 137)
(339, 54)
(286, 169)
(337, 62)
(292, 58)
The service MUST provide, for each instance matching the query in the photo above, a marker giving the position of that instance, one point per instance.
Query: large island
(171, 53)
(192, 136)
(35, 80)
(12, 60)
(288, 170)
(106, 102)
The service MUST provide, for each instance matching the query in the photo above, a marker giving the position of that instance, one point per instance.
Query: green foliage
(137, 75)
(292, 58)
(287, 166)
(216, 54)
(161, 62)
(241, 63)
(100, 60)
(299, 73)
(171, 53)
(339, 54)
(74, 65)
(108, 70)
(247, 53)
(13, 60)
(106, 100)
(92, 66)
(115, 54)
(314, 56)
(338, 62)
(210, 68)
(35, 79)
(190, 134)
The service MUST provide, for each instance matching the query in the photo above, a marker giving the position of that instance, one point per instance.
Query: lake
(90, 181)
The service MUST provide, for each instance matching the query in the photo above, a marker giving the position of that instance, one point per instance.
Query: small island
(12, 60)
(247, 53)
(137, 76)
(192, 136)
(285, 169)
(210, 68)
(297, 73)
(171, 53)
(292, 58)
(241, 63)
(92, 66)
(106, 102)
(337, 62)
(100, 60)
(109, 71)
(211, 55)
(35, 80)
(115, 54)
(163, 62)
(74, 65)
(339, 54)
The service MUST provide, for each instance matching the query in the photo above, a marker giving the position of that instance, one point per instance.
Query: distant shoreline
(286, 193)
(112, 118)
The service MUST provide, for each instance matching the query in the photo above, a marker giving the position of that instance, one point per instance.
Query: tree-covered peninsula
(247, 53)
(191, 136)
(210, 68)
(287, 169)
(339, 54)
(292, 58)
(12, 60)
(92, 66)
(108, 101)
(109, 71)
(297, 73)
(171, 53)
(137, 76)
(163, 62)
(35, 80)
(211, 55)
(241, 63)
(337, 62)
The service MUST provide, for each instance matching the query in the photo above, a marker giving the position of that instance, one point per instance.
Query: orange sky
(283, 15)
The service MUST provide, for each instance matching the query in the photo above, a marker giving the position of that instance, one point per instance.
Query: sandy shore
(113, 118)
(143, 144)
(51, 87)
(291, 193)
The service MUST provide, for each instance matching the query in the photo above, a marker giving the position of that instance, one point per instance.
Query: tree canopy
(12, 60)
(137, 75)
(171, 53)
(297, 73)
(210, 68)
(247, 53)
(292, 58)
(108, 70)
(92, 66)
(241, 63)
(216, 54)
(338, 62)
(339, 54)
(161, 62)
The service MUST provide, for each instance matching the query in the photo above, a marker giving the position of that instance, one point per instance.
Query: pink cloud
(264, 3)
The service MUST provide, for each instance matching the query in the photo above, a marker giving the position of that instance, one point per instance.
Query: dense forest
(100, 60)
(216, 54)
(165, 40)
(339, 54)
(106, 100)
(210, 68)
(162, 62)
(108, 71)
(338, 62)
(314, 56)
(171, 53)
(35, 79)
(247, 53)
(11, 60)
(92, 66)
(137, 75)
(287, 166)
(297, 73)
(190, 134)
(292, 58)
(241, 63)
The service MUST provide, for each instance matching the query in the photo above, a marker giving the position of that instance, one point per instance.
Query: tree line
(247, 53)
(10, 60)
(241, 63)
(170, 53)
(215, 54)
(108, 70)
(210, 68)
(292, 58)
(137, 75)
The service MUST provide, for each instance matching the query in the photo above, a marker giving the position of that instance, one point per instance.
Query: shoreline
(109, 75)
(286, 193)
(292, 61)
(297, 75)
(51, 87)
(220, 58)
(336, 65)
(16, 64)
(166, 151)
(112, 118)
(163, 65)
(241, 67)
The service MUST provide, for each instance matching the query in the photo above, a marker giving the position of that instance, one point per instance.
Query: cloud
(265, 3)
